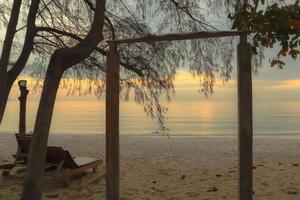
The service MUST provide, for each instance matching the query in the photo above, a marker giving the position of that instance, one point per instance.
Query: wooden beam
(112, 123)
(245, 119)
(184, 36)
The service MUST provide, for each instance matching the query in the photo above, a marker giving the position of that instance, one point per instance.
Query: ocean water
(183, 118)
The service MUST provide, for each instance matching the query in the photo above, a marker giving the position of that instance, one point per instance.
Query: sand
(178, 168)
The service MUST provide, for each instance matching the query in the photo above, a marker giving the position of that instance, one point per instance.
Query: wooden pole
(22, 112)
(176, 37)
(245, 119)
(112, 123)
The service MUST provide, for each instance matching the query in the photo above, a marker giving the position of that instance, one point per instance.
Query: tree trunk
(18, 67)
(4, 97)
(35, 168)
(7, 45)
(61, 60)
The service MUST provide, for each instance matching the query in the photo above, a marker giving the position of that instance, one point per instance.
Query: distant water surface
(183, 118)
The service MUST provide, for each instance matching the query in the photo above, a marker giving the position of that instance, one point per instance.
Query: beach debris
(212, 189)
(253, 167)
(218, 175)
(52, 196)
(182, 177)
(295, 164)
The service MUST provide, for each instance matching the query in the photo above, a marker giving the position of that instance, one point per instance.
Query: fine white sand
(176, 168)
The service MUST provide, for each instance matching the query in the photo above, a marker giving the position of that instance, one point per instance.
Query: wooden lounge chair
(23, 141)
(66, 165)
(20, 156)
(69, 166)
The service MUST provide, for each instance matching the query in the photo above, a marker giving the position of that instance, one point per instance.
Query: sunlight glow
(288, 84)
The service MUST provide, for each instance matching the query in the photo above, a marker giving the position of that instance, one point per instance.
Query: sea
(183, 118)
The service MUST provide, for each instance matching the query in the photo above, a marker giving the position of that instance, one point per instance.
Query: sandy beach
(174, 168)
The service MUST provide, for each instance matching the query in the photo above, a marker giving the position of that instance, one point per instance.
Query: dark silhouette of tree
(7, 45)
(8, 77)
(278, 22)
(61, 60)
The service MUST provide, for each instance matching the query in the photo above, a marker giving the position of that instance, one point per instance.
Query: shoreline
(150, 135)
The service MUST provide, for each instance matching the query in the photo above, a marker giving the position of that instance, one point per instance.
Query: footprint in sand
(192, 194)
(292, 191)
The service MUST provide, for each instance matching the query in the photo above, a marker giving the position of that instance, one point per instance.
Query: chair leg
(95, 169)
(66, 182)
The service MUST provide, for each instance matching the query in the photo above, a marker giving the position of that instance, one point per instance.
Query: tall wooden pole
(112, 123)
(23, 100)
(245, 119)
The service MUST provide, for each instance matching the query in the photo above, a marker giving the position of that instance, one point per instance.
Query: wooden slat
(65, 174)
(112, 123)
(7, 166)
(245, 119)
(174, 37)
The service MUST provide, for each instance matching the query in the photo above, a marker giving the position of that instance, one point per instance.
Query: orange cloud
(186, 81)
(288, 84)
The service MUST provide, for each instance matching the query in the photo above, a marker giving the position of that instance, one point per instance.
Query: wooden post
(245, 120)
(23, 100)
(112, 123)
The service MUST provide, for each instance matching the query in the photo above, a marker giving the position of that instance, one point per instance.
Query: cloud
(277, 85)
(288, 84)
(186, 81)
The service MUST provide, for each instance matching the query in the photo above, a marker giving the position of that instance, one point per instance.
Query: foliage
(271, 24)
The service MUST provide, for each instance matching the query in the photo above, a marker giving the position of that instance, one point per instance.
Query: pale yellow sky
(187, 89)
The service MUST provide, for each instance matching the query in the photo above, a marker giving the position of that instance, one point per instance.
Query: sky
(269, 83)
